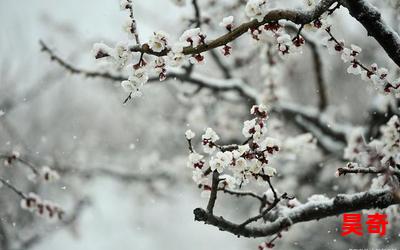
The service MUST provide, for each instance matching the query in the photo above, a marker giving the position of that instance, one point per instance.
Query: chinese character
(377, 223)
(352, 224)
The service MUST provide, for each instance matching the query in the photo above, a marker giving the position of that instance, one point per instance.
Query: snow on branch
(313, 210)
(296, 16)
(371, 19)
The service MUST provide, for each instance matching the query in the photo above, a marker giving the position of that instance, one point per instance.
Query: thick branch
(371, 170)
(342, 203)
(372, 21)
(295, 16)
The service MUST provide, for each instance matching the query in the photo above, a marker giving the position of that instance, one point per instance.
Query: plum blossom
(391, 139)
(195, 160)
(249, 127)
(33, 203)
(158, 42)
(354, 69)
(193, 37)
(49, 174)
(256, 9)
(135, 82)
(209, 138)
(227, 22)
(189, 134)
(284, 43)
(270, 171)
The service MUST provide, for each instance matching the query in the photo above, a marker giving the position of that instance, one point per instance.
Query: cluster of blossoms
(382, 153)
(236, 164)
(275, 32)
(33, 203)
(378, 76)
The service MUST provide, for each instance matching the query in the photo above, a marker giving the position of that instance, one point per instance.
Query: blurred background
(79, 125)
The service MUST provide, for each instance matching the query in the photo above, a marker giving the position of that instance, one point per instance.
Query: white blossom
(227, 22)
(270, 171)
(354, 69)
(158, 42)
(49, 174)
(256, 9)
(192, 37)
(195, 160)
(248, 126)
(189, 134)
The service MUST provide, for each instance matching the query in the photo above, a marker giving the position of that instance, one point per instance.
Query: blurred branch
(12, 188)
(125, 177)
(74, 70)
(4, 241)
(318, 69)
(68, 221)
(371, 170)
(237, 85)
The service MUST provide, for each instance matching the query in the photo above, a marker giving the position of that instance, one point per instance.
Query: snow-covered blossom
(240, 164)
(227, 22)
(284, 43)
(189, 134)
(391, 139)
(270, 171)
(176, 57)
(159, 67)
(248, 128)
(354, 69)
(208, 139)
(193, 37)
(135, 81)
(243, 148)
(118, 56)
(259, 110)
(195, 160)
(221, 161)
(49, 174)
(158, 42)
(101, 50)
(256, 9)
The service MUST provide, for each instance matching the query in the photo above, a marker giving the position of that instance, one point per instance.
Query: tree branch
(295, 16)
(372, 21)
(342, 203)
